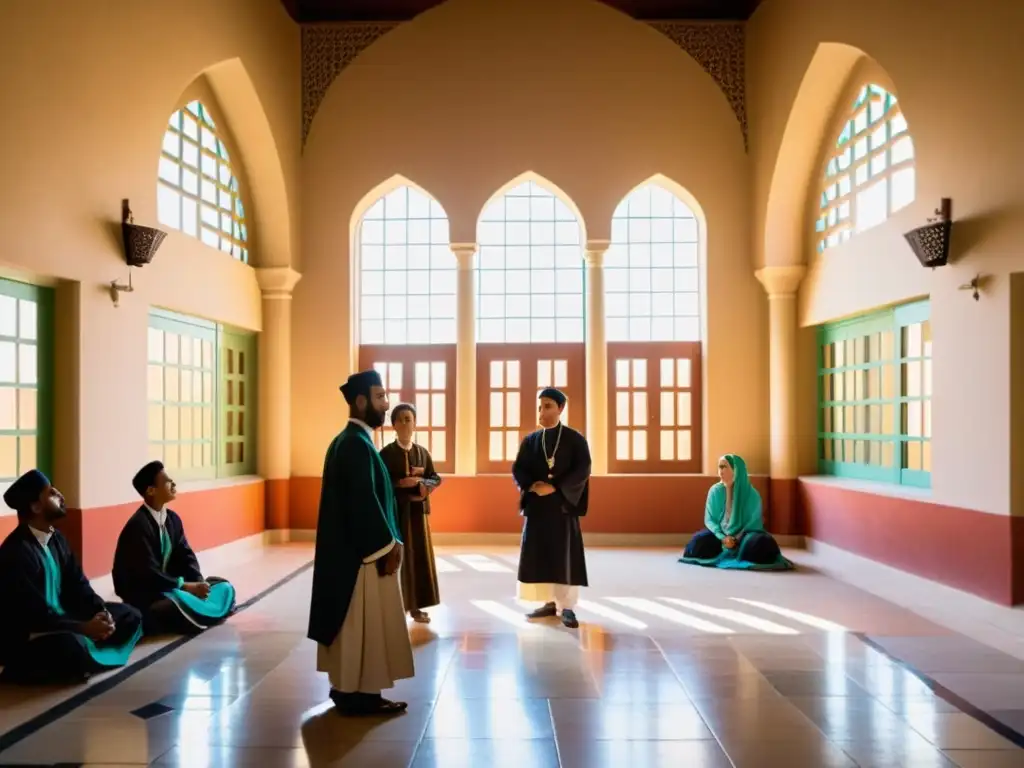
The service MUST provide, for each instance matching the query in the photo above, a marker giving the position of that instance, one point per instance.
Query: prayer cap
(359, 384)
(397, 411)
(553, 394)
(26, 490)
(146, 477)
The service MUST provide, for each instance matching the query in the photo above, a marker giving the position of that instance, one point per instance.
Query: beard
(56, 512)
(373, 418)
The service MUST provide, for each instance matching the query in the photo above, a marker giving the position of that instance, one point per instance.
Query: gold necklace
(543, 444)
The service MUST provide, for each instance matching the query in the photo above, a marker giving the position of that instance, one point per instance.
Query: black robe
(61, 657)
(356, 519)
(140, 580)
(551, 551)
(419, 572)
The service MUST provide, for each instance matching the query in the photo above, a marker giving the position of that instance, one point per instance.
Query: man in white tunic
(356, 614)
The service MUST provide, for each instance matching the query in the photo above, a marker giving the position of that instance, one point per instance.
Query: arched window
(870, 173)
(652, 303)
(407, 301)
(197, 190)
(530, 321)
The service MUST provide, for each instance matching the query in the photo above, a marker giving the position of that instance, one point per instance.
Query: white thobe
(564, 596)
(372, 649)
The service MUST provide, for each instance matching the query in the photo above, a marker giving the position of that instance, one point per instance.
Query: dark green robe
(356, 519)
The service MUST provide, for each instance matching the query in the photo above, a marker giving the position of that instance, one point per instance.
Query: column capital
(595, 250)
(277, 282)
(781, 280)
(464, 252)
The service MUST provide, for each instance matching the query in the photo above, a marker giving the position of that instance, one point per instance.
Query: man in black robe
(55, 629)
(552, 471)
(356, 614)
(156, 570)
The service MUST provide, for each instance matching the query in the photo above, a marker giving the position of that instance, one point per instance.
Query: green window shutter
(182, 395)
(26, 379)
(238, 374)
(874, 397)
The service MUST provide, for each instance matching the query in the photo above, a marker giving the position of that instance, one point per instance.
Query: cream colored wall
(948, 65)
(89, 88)
(471, 95)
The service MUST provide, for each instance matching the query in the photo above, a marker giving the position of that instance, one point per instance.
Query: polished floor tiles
(672, 666)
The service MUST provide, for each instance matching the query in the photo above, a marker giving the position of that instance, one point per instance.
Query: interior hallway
(672, 666)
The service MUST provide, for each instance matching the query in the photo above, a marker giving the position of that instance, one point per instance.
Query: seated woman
(156, 570)
(56, 629)
(414, 479)
(734, 534)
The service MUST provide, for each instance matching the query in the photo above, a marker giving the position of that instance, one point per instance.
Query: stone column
(274, 431)
(781, 283)
(465, 365)
(597, 357)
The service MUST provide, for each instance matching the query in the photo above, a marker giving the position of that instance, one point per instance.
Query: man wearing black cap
(552, 471)
(156, 570)
(356, 613)
(55, 628)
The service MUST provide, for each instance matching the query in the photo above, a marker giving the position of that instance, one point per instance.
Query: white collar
(362, 424)
(41, 537)
(403, 446)
(159, 515)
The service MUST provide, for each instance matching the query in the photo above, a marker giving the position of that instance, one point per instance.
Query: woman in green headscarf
(734, 534)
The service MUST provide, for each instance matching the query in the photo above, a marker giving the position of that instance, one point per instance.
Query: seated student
(156, 570)
(734, 534)
(55, 628)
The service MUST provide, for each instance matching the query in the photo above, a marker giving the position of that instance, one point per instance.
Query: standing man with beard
(55, 628)
(356, 614)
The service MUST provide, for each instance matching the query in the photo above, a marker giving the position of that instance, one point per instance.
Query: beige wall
(469, 96)
(946, 63)
(89, 88)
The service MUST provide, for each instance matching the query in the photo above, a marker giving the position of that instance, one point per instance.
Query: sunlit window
(408, 273)
(197, 190)
(875, 397)
(652, 269)
(529, 269)
(870, 173)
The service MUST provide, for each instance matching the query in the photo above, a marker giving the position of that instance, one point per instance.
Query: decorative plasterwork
(328, 48)
(719, 49)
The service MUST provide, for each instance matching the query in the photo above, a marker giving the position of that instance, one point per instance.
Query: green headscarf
(746, 504)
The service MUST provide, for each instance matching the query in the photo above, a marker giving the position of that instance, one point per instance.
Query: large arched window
(197, 189)
(407, 300)
(652, 303)
(530, 321)
(870, 173)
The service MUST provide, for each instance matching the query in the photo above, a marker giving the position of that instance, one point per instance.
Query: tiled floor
(672, 666)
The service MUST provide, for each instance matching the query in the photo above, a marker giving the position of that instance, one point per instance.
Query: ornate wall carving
(719, 49)
(328, 48)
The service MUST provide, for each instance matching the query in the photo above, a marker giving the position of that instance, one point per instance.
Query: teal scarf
(106, 657)
(745, 515)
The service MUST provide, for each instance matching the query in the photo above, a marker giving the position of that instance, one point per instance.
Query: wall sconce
(140, 246)
(976, 285)
(930, 243)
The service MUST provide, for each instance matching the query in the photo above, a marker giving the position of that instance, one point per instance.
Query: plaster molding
(595, 251)
(327, 48)
(465, 252)
(781, 281)
(277, 282)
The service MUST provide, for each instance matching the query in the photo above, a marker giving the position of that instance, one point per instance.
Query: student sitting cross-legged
(55, 629)
(156, 570)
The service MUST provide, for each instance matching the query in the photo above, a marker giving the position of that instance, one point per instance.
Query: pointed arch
(406, 275)
(654, 294)
(198, 191)
(530, 313)
(869, 172)
(785, 231)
